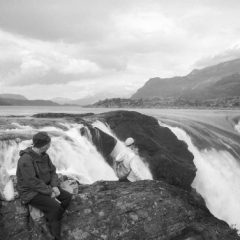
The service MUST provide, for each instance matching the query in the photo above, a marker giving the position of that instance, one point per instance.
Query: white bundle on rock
(6, 185)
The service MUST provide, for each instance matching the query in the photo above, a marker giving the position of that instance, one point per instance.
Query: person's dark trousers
(53, 209)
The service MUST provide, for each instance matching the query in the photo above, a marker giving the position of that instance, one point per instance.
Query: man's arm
(54, 176)
(28, 172)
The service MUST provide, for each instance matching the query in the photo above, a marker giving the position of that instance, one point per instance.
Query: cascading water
(9, 153)
(72, 153)
(237, 127)
(75, 155)
(217, 179)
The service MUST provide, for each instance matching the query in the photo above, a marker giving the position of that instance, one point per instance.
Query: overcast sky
(79, 48)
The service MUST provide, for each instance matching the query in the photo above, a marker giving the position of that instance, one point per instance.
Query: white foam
(77, 156)
(20, 126)
(217, 179)
(237, 127)
(9, 153)
(71, 153)
(8, 192)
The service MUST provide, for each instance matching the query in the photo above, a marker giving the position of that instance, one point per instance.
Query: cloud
(66, 20)
(224, 56)
(108, 44)
(28, 61)
(104, 87)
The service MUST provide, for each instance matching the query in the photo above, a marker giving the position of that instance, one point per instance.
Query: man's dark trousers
(52, 209)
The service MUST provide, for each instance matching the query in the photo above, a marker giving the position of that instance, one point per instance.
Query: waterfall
(71, 153)
(217, 179)
(74, 155)
(9, 153)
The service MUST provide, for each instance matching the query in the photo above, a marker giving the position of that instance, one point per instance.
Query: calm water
(30, 110)
(190, 113)
(219, 118)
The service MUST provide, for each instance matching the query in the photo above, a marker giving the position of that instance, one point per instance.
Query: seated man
(37, 182)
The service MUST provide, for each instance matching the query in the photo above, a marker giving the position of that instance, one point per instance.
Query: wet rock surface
(114, 210)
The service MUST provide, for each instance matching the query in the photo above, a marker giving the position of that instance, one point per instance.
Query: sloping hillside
(19, 100)
(13, 96)
(222, 80)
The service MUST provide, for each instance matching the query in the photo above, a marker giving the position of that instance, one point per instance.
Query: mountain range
(20, 100)
(218, 81)
(81, 101)
(86, 100)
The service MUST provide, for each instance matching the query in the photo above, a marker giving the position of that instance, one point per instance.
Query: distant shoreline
(178, 108)
(123, 107)
(29, 111)
(174, 103)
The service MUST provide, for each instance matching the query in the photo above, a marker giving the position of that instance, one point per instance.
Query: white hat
(129, 141)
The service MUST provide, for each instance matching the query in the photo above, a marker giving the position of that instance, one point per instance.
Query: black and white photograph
(119, 120)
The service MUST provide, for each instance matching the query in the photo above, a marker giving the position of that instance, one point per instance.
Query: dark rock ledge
(112, 210)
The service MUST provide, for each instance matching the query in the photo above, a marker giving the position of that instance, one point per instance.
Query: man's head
(41, 141)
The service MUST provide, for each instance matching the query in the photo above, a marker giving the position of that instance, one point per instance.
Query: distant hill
(3, 103)
(88, 100)
(68, 101)
(60, 100)
(19, 100)
(15, 102)
(13, 96)
(218, 81)
(85, 100)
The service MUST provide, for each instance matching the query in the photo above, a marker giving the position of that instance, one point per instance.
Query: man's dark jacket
(35, 174)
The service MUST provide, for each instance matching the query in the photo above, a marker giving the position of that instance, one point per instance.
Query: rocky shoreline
(170, 102)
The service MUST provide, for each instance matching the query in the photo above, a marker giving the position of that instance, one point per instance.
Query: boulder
(168, 158)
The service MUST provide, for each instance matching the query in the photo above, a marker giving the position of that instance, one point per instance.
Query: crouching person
(37, 183)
